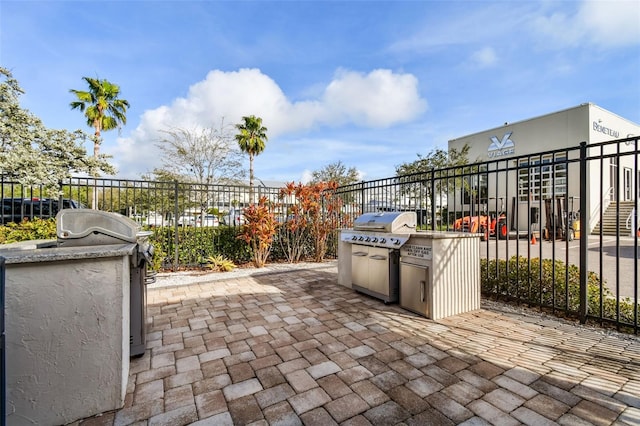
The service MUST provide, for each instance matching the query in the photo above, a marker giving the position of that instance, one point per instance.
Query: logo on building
(501, 147)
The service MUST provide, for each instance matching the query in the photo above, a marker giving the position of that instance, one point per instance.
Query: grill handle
(359, 253)
(378, 257)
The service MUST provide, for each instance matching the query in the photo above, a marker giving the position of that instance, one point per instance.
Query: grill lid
(84, 227)
(394, 222)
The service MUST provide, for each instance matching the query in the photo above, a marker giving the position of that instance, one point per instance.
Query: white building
(562, 130)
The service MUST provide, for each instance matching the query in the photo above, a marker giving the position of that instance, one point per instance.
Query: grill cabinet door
(359, 267)
(378, 268)
(414, 288)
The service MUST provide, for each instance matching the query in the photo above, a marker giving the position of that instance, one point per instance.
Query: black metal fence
(559, 228)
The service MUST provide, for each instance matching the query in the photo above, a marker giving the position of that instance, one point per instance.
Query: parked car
(208, 220)
(186, 220)
(156, 219)
(233, 218)
(17, 209)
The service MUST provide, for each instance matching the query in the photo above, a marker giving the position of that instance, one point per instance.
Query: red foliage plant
(259, 229)
(317, 210)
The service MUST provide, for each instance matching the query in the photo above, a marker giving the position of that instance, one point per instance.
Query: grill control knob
(354, 238)
(367, 239)
(361, 238)
(396, 242)
(383, 240)
(374, 240)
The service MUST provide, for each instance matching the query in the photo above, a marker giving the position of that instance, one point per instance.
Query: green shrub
(36, 229)
(550, 284)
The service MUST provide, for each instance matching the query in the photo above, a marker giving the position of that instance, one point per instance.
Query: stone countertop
(29, 252)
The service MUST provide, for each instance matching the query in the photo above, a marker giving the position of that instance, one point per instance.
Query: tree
(102, 108)
(33, 154)
(336, 172)
(251, 138)
(204, 155)
(441, 168)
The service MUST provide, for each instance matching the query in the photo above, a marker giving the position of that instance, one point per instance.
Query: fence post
(176, 257)
(432, 200)
(584, 241)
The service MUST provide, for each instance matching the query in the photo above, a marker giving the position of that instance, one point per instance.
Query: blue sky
(368, 83)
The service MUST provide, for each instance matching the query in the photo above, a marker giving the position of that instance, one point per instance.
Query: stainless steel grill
(87, 227)
(375, 242)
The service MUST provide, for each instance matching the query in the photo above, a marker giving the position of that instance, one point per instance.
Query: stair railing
(631, 222)
(604, 205)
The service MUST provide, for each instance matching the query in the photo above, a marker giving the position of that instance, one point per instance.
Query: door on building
(628, 184)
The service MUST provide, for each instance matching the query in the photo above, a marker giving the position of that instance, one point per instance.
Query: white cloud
(378, 99)
(485, 57)
(613, 23)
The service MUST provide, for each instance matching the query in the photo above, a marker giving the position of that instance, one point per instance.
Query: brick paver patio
(293, 348)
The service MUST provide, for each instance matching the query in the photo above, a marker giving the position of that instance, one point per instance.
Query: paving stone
(281, 415)
(370, 393)
(178, 397)
(419, 360)
(530, 417)
(504, 400)
(301, 381)
(389, 413)
(245, 410)
(323, 369)
(270, 376)
(241, 372)
(211, 383)
(548, 407)
(406, 369)
(333, 386)
(274, 395)
(462, 392)
(373, 364)
(293, 365)
(555, 392)
(452, 364)
(242, 389)
(355, 421)
(360, 351)
(149, 391)
(424, 386)
(354, 374)
(594, 413)
(449, 407)
(388, 380)
(319, 417)
(515, 386)
(429, 417)
(441, 376)
(179, 416)
(477, 381)
(210, 404)
(408, 400)
(306, 401)
(345, 407)
(185, 378)
(491, 414)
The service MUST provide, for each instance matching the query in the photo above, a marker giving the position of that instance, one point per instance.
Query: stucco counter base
(67, 332)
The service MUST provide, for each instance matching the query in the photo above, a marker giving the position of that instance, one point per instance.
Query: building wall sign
(501, 147)
(607, 131)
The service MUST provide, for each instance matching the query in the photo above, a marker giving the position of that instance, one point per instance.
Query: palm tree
(251, 138)
(101, 107)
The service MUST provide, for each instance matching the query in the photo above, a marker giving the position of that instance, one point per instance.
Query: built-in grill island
(86, 227)
(75, 314)
(434, 274)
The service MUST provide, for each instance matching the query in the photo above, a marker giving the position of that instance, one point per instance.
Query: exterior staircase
(608, 223)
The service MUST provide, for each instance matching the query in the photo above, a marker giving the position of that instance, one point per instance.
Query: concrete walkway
(291, 347)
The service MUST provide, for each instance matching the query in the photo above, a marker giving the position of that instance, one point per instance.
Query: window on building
(542, 177)
(475, 188)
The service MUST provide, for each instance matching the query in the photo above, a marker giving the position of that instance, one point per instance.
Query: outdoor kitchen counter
(67, 331)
